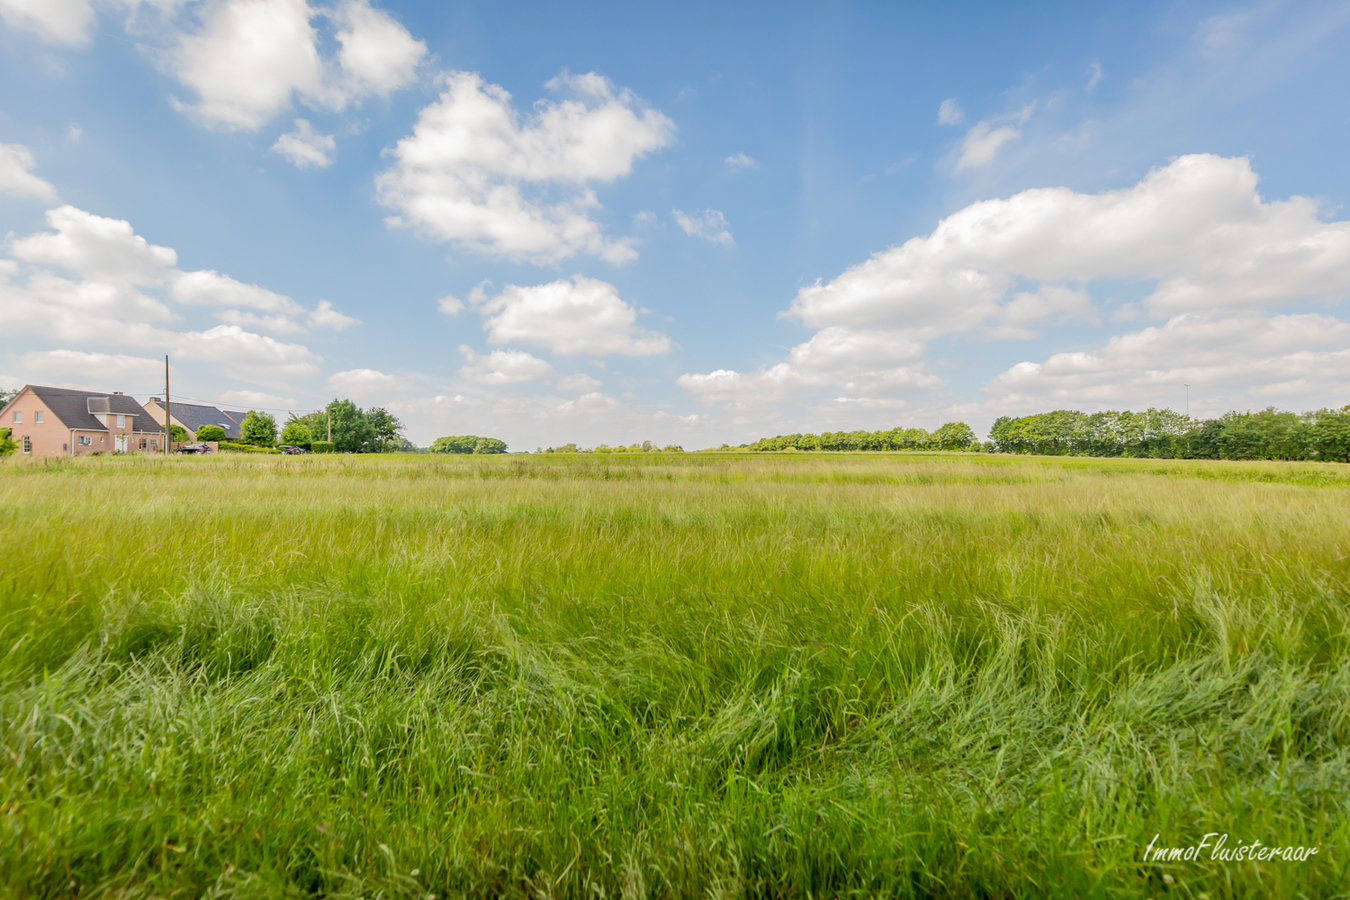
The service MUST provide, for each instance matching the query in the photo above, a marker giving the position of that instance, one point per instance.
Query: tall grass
(913, 676)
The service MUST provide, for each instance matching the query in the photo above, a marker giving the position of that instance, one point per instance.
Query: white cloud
(369, 384)
(1228, 359)
(740, 161)
(708, 224)
(950, 112)
(450, 305)
(1197, 227)
(325, 316)
(94, 368)
(209, 288)
(244, 351)
(1094, 75)
(250, 57)
(478, 174)
(274, 324)
(305, 147)
(119, 292)
(95, 247)
(378, 55)
(1030, 307)
(502, 366)
(982, 144)
(16, 175)
(580, 316)
(254, 400)
(54, 21)
(862, 362)
(74, 133)
(580, 383)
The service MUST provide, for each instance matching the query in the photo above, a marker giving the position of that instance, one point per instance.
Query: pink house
(50, 421)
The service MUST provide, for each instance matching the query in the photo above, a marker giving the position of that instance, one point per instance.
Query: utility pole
(168, 429)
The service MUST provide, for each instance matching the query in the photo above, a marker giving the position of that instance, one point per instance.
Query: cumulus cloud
(325, 316)
(502, 366)
(950, 112)
(368, 384)
(1232, 358)
(94, 368)
(477, 173)
(579, 382)
(1197, 227)
(859, 362)
(1213, 255)
(254, 400)
(53, 21)
(450, 305)
(740, 161)
(982, 144)
(92, 279)
(249, 58)
(305, 147)
(572, 317)
(708, 224)
(16, 174)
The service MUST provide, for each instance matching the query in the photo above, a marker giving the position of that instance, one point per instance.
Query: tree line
(952, 436)
(1322, 434)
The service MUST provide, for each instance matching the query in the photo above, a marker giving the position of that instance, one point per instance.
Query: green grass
(684, 676)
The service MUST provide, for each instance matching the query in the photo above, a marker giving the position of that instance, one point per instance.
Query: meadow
(683, 675)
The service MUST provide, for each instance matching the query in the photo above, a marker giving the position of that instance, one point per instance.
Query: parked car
(193, 448)
(287, 448)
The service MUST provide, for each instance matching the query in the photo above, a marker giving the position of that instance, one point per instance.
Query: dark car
(193, 448)
(292, 451)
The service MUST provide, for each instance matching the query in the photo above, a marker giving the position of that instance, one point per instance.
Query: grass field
(685, 676)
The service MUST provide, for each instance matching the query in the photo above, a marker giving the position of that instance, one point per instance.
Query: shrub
(259, 429)
(211, 433)
(6, 442)
(322, 447)
(296, 433)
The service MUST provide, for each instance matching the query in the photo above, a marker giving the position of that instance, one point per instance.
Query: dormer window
(121, 421)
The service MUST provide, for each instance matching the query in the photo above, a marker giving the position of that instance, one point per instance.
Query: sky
(686, 223)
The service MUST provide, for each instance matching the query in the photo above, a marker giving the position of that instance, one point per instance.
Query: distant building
(192, 416)
(51, 421)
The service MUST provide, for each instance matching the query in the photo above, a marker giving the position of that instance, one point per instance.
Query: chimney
(117, 393)
(153, 400)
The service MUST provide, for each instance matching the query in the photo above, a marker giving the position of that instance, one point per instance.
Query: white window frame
(121, 421)
(86, 440)
(37, 417)
(18, 417)
(27, 444)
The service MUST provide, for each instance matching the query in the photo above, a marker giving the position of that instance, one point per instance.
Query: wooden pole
(168, 429)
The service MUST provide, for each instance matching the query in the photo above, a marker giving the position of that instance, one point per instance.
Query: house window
(18, 417)
(37, 417)
(143, 444)
(85, 440)
(27, 444)
(101, 438)
(121, 421)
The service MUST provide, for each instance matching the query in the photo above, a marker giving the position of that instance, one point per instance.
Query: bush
(6, 442)
(211, 433)
(322, 447)
(259, 429)
(296, 433)
(467, 443)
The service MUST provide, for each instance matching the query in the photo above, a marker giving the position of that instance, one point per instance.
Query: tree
(6, 442)
(178, 433)
(352, 429)
(953, 436)
(388, 429)
(211, 433)
(258, 429)
(8, 395)
(470, 443)
(295, 433)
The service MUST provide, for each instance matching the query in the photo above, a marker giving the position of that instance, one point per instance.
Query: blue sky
(690, 224)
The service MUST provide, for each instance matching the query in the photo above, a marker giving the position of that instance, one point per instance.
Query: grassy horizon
(918, 675)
